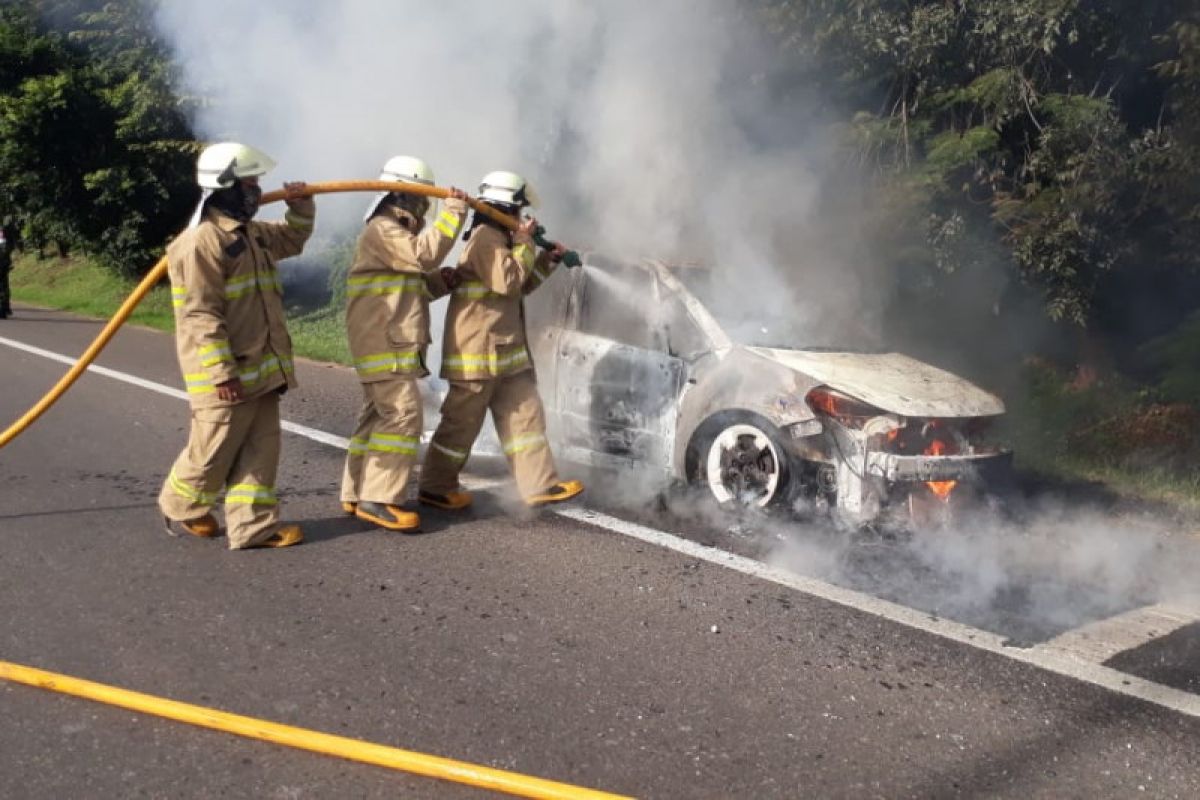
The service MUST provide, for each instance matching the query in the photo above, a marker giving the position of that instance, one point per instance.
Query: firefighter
(234, 351)
(394, 276)
(486, 360)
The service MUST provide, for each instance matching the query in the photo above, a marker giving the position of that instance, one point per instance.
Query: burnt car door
(617, 386)
(546, 312)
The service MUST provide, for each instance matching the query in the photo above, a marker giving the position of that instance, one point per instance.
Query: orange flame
(940, 489)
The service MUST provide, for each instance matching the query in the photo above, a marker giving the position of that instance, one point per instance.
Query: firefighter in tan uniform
(234, 350)
(487, 362)
(393, 278)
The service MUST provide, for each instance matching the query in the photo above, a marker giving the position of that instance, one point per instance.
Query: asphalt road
(528, 642)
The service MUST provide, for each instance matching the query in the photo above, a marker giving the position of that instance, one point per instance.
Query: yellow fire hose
(160, 269)
(497, 780)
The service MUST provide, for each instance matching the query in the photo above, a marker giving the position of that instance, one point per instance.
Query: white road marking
(291, 427)
(1099, 641)
(105, 371)
(1053, 659)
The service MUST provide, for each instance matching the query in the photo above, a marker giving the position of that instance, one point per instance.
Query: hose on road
(497, 780)
(160, 269)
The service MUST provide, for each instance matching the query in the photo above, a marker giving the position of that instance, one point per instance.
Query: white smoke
(1051, 568)
(641, 124)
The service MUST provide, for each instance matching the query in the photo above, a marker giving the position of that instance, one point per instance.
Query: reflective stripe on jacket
(227, 296)
(485, 323)
(393, 278)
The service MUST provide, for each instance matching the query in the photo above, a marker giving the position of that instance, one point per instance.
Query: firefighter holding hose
(486, 360)
(394, 276)
(234, 350)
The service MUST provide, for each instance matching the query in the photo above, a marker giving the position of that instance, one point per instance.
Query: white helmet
(407, 168)
(401, 168)
(221, 164)
(507, 187)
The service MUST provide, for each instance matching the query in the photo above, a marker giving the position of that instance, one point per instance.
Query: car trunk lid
(890, 381)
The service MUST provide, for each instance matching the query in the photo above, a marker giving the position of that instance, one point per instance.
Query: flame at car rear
(940, 489)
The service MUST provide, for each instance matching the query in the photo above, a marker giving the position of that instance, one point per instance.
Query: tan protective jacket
(229, 320)
(485, 323)
(393, 278)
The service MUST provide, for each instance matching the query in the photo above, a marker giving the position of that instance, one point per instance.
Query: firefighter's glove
(301, 205)
(451, 277)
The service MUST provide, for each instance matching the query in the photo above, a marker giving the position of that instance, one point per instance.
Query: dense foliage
(96, 152)
(1057, 140)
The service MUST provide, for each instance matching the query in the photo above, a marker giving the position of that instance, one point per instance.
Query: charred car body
(637, 373)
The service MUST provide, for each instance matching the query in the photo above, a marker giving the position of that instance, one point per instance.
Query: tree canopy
(96, 151)
(1054, 138)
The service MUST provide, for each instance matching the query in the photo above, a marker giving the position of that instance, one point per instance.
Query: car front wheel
(741, 461)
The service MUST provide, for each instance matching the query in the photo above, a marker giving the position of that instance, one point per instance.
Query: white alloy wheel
(744, 465)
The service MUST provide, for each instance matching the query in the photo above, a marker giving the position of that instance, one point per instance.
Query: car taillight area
(884, 460)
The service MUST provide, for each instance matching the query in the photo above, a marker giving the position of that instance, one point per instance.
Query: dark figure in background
(6, 246)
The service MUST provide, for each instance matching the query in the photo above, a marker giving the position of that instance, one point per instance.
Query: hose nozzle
(569, 259)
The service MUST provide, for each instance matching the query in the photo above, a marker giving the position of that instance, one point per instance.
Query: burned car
(636, 372)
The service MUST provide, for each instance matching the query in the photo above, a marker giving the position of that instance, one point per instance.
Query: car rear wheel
(741, 461)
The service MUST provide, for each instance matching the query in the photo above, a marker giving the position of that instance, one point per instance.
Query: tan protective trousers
(384, 446)
(520, 424)
(235, 448)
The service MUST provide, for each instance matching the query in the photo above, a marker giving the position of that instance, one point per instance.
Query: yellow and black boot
(389, 517)
(559, 492)
(286, 536)
(205, 527)
(453, 501)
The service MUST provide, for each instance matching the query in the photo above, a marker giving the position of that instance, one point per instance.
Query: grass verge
(1114, 433)
(78, 285)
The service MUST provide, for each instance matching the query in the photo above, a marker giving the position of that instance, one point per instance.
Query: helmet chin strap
(198, 214)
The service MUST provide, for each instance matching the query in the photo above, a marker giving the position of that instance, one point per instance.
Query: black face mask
(477, 219)
(239, 201)
(415, 204)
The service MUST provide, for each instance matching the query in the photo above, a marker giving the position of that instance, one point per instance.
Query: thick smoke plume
(647, 127)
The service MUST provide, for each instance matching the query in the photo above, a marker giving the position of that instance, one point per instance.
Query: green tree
(95, 149)
(1054, 139)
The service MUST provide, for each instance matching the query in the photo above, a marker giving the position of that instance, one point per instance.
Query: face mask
(417, 205)
(251, 198)
(239, 201)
